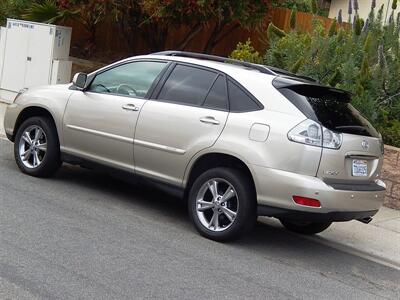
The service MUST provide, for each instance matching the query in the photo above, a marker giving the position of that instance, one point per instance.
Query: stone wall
(391, 176)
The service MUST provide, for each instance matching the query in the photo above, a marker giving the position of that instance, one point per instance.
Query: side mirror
(79, 80)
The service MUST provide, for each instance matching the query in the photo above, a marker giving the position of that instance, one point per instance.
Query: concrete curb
(375, 241)
(356, 251)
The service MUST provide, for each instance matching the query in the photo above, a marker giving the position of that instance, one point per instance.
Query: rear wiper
(352, 128)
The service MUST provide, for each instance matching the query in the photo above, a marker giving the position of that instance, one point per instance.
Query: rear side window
(239, 100)
(218, 98)
(330, 107)
(187, 85)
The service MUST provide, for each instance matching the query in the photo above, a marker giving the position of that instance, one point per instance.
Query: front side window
(132, 79)
(187, 85)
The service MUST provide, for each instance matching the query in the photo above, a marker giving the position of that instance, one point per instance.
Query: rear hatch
(357, 163)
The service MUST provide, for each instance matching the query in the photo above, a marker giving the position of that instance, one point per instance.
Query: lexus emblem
(365, 145)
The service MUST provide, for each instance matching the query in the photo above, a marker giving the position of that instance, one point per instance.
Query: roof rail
(262, 68)
(283, 72)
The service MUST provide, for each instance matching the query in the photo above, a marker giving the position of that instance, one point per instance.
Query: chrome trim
(159, 147)
(361, 156)
(102, 134)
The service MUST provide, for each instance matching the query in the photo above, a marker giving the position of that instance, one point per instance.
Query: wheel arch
(33, 111)
(214, 159)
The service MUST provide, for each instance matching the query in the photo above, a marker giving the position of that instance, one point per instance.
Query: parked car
(239, 140)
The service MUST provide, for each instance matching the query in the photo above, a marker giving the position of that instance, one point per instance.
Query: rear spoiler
(311, 89)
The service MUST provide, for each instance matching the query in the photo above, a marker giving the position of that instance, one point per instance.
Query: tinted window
(187, 85)
(218, 98)
(330, 107)
(132, 79)
(239, 100)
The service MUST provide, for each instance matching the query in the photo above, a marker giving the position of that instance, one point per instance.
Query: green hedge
(363, 58)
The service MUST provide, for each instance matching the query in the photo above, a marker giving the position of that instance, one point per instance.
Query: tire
(242, 201)
(47, 147)
(306, 228)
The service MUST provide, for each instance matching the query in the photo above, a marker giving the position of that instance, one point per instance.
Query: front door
(186, 117)
(99, 123)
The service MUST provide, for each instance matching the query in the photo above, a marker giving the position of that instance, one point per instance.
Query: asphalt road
(86, 235)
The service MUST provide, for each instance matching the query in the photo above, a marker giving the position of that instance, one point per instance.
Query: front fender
(53, 100)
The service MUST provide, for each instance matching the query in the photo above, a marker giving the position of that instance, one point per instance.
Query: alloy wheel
(33, 147)
(217, 204)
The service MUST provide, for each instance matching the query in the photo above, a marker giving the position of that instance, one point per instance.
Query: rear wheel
(222, 204)
(308, 228)
(36, 147)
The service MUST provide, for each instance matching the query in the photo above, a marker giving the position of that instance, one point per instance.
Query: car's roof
(230, 69)
(255, 80)
(229, 66)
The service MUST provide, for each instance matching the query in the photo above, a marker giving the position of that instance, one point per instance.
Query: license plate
(360, 168)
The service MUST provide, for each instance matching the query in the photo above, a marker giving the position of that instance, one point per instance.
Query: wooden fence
(112, 45)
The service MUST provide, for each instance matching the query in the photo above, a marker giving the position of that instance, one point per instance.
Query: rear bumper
(275, 189)
(334, 216)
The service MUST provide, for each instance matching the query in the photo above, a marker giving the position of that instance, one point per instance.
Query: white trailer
(33, 54)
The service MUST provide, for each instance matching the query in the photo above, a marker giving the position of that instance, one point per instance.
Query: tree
(154, 19)
(89, 13)
(12, 9)
(365, 62)
(362, 59)
(232, 14)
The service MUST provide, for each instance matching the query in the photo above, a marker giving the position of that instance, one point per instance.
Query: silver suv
(238, 140)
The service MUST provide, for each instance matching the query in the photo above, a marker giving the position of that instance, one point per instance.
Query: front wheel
(36, 147)
(222, 204)
(307, 228)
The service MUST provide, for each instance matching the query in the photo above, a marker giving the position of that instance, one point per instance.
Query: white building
(364, 8)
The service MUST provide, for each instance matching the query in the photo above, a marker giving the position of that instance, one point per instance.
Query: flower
(350, 10)
(340, 17)
(366, 26)
(356, 5)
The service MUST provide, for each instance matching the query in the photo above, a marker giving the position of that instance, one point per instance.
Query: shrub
(309, 6)
(12, 9)
(246, 52)
(363, 59)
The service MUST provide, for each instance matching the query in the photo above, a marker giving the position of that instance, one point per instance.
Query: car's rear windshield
(330, 107)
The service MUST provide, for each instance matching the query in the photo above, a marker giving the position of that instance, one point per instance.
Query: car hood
(57, 87)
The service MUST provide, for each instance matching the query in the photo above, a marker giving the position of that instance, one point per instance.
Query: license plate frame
(359, 168)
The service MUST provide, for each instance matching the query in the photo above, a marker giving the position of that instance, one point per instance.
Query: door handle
(209, 120)
(131, 107)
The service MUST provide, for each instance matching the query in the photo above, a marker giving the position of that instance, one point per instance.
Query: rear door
(359, 159)
(186, 116)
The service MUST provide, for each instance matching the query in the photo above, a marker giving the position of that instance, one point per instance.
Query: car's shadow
(270, 242)
(268, 236)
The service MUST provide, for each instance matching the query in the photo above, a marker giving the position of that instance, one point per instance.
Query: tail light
(311, 133)
(381, 144)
